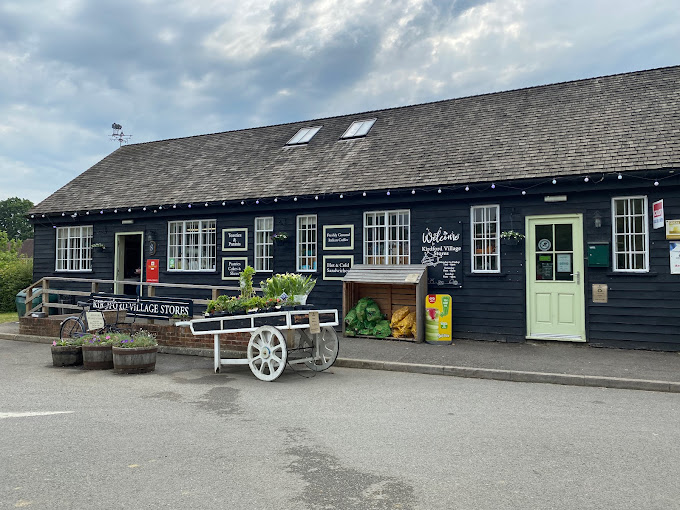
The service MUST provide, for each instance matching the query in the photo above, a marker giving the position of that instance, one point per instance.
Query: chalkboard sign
(232, 266)
(338, 237)
(442, 252)
(335, 267)
(234, 239)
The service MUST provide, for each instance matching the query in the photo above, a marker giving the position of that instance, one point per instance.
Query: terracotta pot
(97, 357)
(134, 360)
(67, 355)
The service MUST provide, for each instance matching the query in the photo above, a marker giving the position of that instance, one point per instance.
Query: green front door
(555, 297)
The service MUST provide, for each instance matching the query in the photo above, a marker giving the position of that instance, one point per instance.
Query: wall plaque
(232, 266)
(338, 237)
(599, 292)
(234, 239)
(335, 267)
(442, 249)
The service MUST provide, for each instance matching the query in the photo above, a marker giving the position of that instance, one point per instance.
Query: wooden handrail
(44, 284)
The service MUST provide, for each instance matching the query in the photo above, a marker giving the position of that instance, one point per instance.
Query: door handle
(577, 274)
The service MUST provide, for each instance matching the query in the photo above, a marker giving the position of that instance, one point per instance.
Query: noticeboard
(232, 266)
(234, 239)
(442, 252)
(335, 267)
(338, 237)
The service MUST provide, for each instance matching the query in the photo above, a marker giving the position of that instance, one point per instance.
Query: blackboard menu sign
(442, 252)
(234, 239)
(338, 237)
(335, 267)
(232, 266)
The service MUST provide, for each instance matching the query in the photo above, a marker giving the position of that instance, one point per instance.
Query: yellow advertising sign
(672, 229)
(438, 319)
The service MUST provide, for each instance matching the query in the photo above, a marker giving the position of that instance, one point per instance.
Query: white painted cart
(307, 335)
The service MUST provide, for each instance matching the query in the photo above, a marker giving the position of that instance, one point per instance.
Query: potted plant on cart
(288, 286)
(67, 352)
(97, 353)
(135, 354)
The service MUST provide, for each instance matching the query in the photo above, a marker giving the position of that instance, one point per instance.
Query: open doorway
(129, 262)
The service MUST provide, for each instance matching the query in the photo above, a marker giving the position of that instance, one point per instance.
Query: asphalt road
(183, 437)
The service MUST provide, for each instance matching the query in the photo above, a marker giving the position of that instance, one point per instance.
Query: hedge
(15, 275)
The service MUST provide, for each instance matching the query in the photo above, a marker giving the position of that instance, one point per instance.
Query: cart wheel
(267, 353)
(326, 347)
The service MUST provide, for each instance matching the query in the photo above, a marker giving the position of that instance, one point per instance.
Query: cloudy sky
(173, 68)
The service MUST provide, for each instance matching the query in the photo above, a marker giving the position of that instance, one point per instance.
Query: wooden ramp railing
(47, 289)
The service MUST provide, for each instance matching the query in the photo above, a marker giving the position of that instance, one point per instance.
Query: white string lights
(478, 188)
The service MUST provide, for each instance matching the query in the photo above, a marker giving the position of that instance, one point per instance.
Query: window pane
(563, 238)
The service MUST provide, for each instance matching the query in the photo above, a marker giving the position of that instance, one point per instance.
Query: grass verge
(8, 317)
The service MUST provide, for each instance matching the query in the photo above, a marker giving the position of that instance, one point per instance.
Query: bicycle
(77, 326)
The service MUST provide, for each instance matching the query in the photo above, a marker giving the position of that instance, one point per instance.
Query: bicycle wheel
(72, 327)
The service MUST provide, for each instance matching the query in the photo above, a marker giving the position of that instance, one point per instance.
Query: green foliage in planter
(292, 284)
(246, 282)
(68, 341)
(100, 338)
(140, 339)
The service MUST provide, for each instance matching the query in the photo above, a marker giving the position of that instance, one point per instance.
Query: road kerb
(513, 375)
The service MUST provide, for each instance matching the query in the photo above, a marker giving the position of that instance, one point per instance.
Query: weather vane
(118, 134)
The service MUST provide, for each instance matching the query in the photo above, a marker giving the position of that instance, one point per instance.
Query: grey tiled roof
(609, 124)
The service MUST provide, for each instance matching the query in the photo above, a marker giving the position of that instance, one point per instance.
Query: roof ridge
(393, 108)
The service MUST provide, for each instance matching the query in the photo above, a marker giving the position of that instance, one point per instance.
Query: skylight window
(303, 136)
(359, 128)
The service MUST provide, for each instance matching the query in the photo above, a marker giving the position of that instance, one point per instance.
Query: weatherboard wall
(642, 310)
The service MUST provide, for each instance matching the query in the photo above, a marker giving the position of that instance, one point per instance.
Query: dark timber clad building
(575, 167)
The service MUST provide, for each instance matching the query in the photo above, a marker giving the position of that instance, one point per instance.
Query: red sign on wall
(152, 270)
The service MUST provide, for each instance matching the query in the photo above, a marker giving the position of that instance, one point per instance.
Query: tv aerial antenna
(118, 134)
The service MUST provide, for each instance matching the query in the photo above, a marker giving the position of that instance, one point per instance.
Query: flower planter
(134, 360)
(67, 355)
(97, 357)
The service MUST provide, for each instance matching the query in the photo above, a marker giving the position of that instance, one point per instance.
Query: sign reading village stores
(442, 251)
(150, 308)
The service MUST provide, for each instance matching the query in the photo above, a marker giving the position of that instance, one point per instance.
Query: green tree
(13, 218)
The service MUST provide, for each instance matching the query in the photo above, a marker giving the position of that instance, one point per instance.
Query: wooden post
(95, 287)
(29, 299)
(151, 292)
(45, 297)
(215, 293)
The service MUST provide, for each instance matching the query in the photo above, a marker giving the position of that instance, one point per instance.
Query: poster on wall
(442, 252)
(335, 267)
(675, 258)
(673, 229)
(657, 209)
(338, 237)
(234, 239)
(232, 266)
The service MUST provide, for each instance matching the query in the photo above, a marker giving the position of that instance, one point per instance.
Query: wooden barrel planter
(97, 357)
(67, 355)
(134, 360)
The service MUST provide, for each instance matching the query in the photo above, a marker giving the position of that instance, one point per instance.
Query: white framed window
(192, 245)
(485, 246)
(306, 243)
(74, 248)
(387, 237)
(630, 234)
(264, 228)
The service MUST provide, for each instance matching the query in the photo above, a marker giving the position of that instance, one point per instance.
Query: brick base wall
(166, 334)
